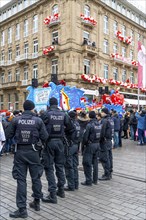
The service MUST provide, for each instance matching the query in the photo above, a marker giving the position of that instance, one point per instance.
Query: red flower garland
(123, 59)
(50, 18)
(48, 49)
(127, 84)
(126, 40)
(89, 18)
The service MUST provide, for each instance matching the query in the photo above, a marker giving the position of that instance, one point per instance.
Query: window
(16, 101)
(55, 37)
(9, 54)
(9, 76)
(132, 35)
(35, 71)
(2, 78)
(119, 7)
(115, 73)
(131, 54)
(113, 4)
(25, 28)
(138, 37)
(105, 24)
(105, 71)
(105, 46)
(54, 66)
(35, 23)
(115, 27)
(17, 37)
(25, 72)
(26, 49)
(9, 101)
(132, 78)
(115, 48)
(1, 102)
(17, 75)
(128, 13)
(124, 76)
(2, 55)
(124, 30)
(54, 9)
(35, 46)
(9, 35)
(17, 51)
(2, 38)
(87, 67)
(123, 10)
(123, 51)
(86, 35)
(87, 11)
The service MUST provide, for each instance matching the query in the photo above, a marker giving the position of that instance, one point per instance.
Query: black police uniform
(106, 158)
(91, 151)
(27, 129)
(56, 122)
(72, 160)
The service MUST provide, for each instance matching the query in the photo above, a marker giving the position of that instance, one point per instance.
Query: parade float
(72, 98)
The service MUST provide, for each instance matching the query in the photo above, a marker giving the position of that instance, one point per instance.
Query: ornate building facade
(65, 39)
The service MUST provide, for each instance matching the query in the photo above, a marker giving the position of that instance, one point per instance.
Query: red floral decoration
(126, 40)
(124, 59)
(48, 49)
(62, 82)
(52, 18)
(89, 19)
(94, 79)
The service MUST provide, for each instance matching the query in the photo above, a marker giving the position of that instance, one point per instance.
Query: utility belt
(26, 147)
(93, 142)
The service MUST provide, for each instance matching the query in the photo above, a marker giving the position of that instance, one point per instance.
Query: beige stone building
(80, 37)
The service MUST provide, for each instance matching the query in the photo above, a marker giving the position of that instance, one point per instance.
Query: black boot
(68, 189)
(52, 198)
(20, 213)
(61, 193)
(35, 205)
(86, 184)
(105, 178)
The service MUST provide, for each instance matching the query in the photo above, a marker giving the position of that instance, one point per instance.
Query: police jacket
(76, 137)
(92, 133)
(57, 123)
(106, 129)
(27, 129)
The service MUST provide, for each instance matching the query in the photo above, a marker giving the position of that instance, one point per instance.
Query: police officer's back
(28, 130)
(57, 123)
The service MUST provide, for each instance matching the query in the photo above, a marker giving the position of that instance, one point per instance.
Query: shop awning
(134, 102)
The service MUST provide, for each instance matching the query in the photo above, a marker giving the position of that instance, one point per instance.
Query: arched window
(87, 10)
(55, 9)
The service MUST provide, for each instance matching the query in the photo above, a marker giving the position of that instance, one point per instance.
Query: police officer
(107, 133)
(27, 130)
(91, 140)
(57, 123)
(72, 160)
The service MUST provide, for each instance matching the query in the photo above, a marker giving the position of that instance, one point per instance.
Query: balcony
(23, 58)
(34, 55)
(89, 48)
(10, 85)
(52, 50)
(25, 82)
(2, 64)
(120, 60)
(53, 20)
(88, 21)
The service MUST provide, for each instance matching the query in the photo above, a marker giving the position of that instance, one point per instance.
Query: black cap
(28, 105)
(72, 114)
(53, 101)
(105, 110)
(92, 114)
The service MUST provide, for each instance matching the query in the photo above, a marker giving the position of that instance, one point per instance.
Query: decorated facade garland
(94, 78)
(124, 59)
(126, 40)
(88, 19)
(51, 18)
(48, 49)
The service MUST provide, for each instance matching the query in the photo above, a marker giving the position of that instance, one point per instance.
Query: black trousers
(24, 160)
(53, 155)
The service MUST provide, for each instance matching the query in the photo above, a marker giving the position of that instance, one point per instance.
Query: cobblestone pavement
(122, 198)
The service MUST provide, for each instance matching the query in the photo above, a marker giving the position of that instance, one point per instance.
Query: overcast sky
(141, 3)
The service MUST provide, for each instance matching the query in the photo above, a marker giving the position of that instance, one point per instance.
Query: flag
(141, 66)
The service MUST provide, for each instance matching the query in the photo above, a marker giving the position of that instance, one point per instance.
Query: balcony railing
(34, 55)
(89, 48)
(2, 63)
(9, 85)
(52, 20)
(23, 58)
(88, 20)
